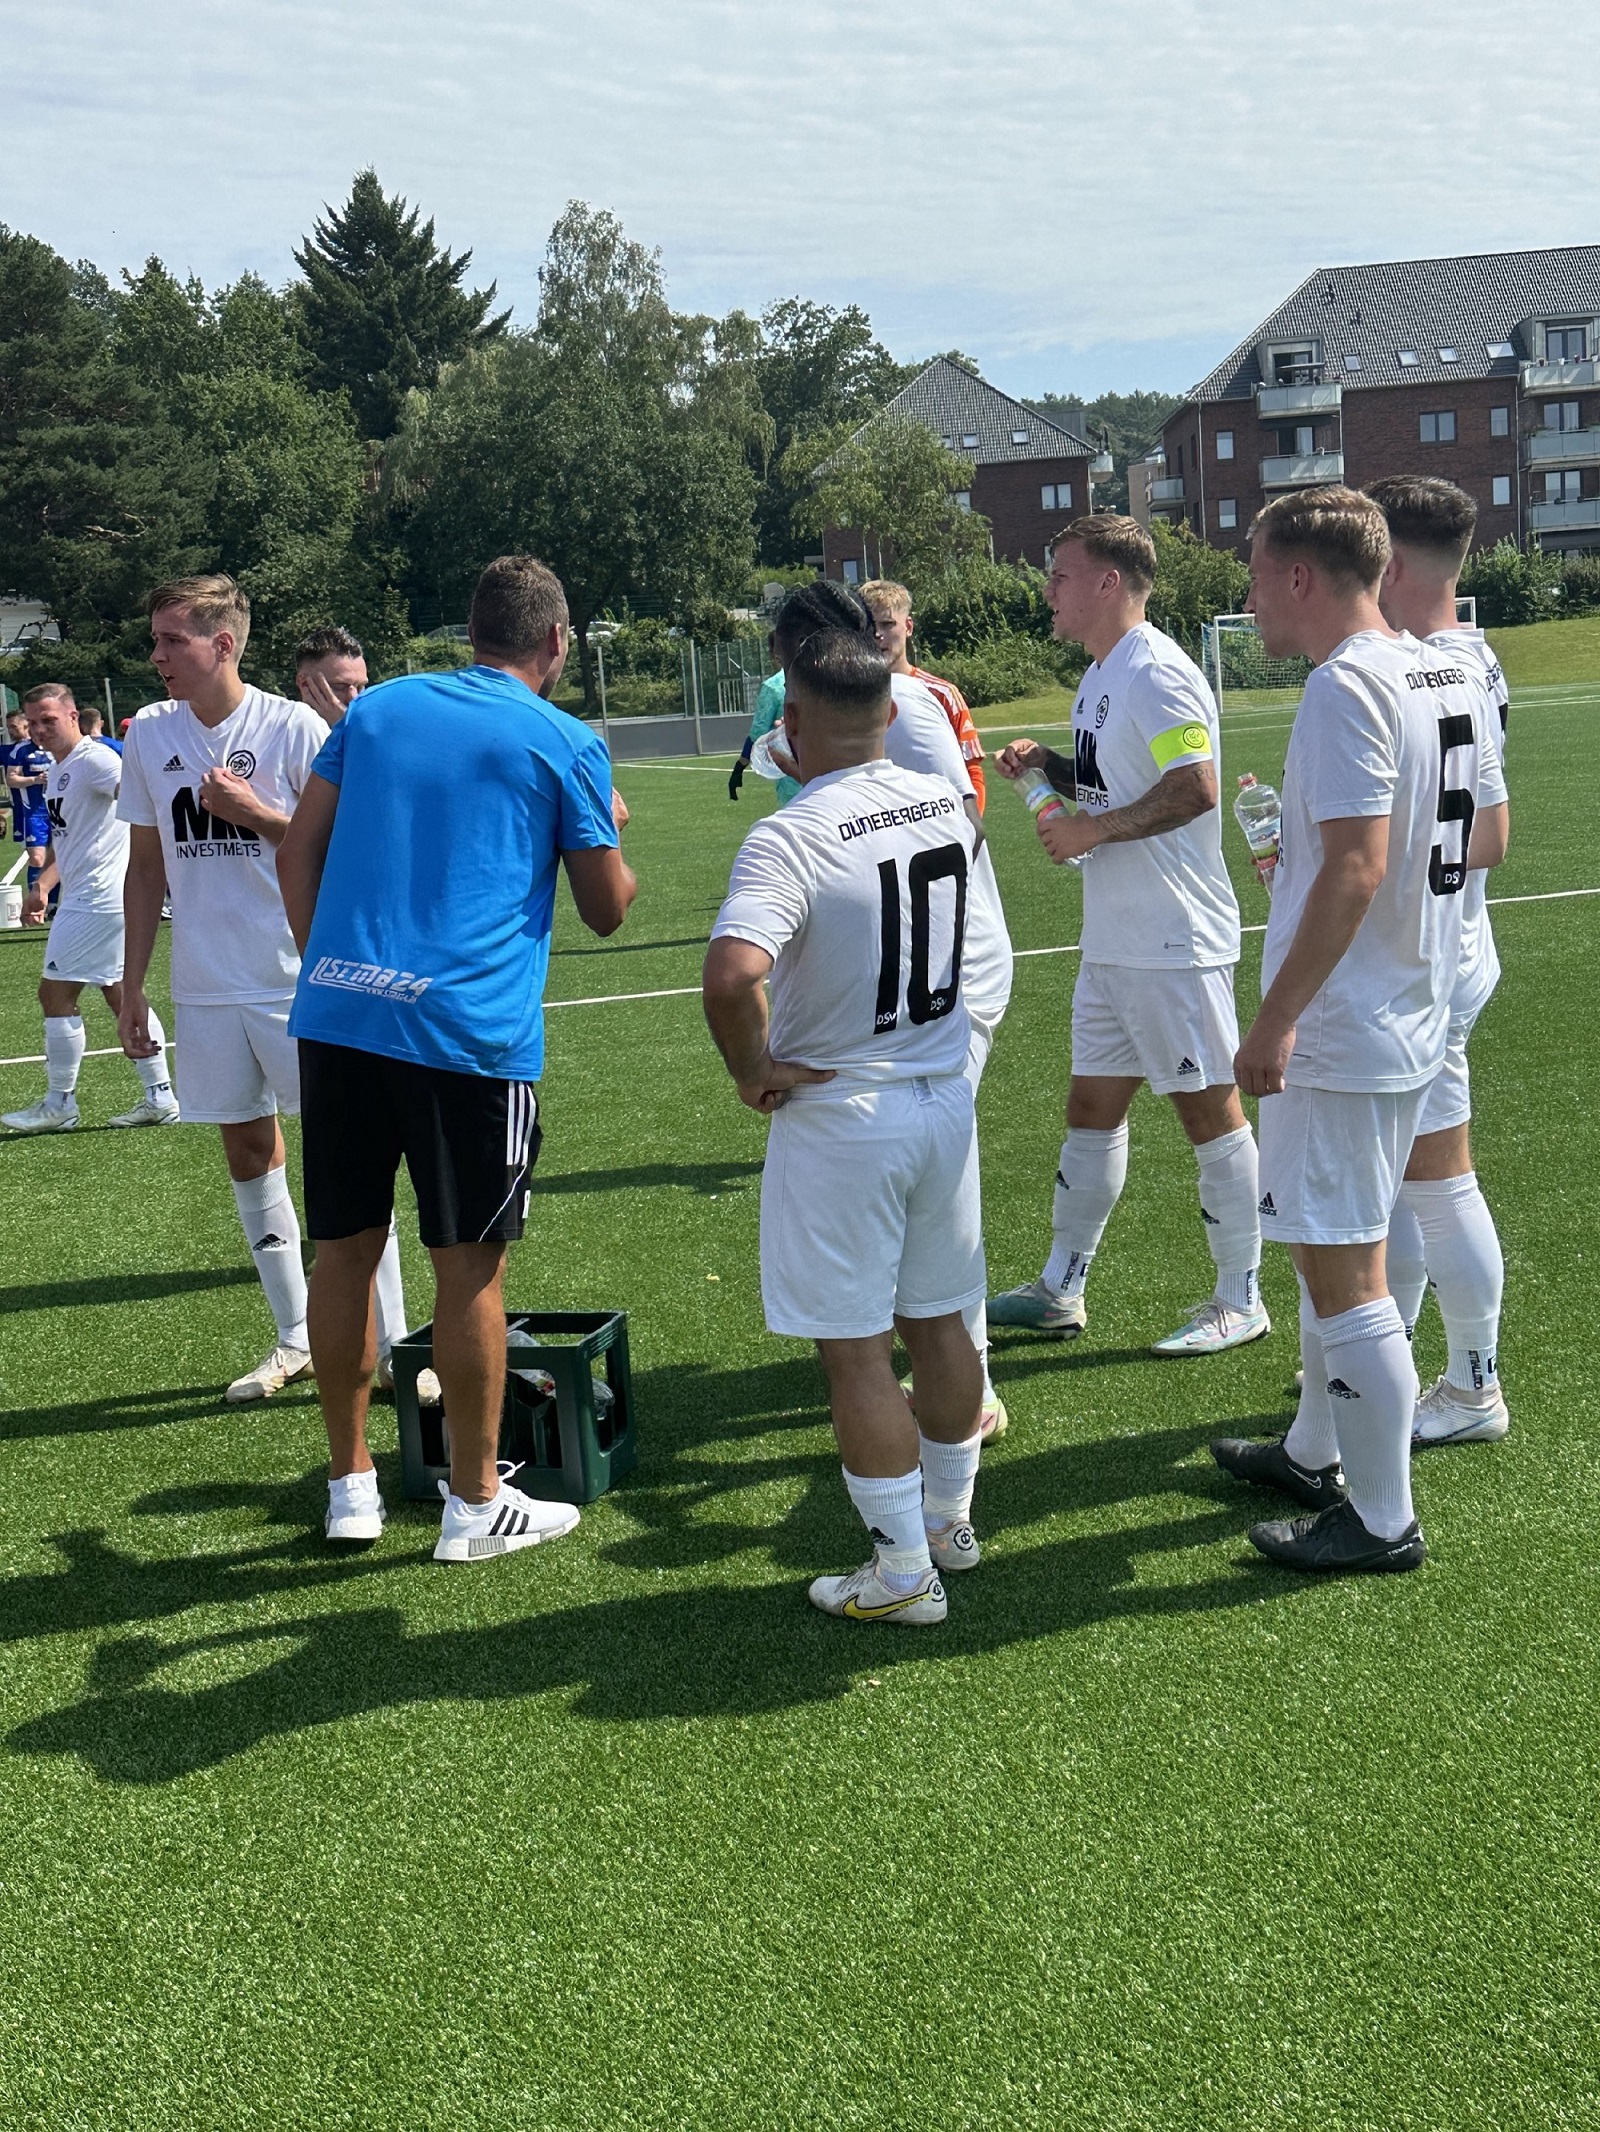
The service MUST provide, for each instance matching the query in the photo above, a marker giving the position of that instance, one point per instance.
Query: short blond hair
(885, 598)
(215, 602)
(1338, 529)
(1116, 542)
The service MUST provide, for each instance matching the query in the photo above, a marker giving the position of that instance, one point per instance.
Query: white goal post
(1239, 667)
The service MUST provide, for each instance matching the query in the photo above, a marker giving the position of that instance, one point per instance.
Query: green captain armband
(1181, 744)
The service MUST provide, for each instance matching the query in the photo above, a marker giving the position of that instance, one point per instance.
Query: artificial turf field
(621, 1833)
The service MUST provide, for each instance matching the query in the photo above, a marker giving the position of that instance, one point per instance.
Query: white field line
(625, 999)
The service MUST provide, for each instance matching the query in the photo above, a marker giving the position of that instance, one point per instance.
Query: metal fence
(723, 680)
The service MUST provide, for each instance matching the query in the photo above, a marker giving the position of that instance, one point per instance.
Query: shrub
(1010, 665)
(1580, 585)
(1513, 585)
(968, 607)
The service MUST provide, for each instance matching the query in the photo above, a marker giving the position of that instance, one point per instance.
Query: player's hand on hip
(768, 1088)
(229, 797)
(1262, 1059)
(1066, 836)
(133, 1025)
(34, 904)
(1019, 755)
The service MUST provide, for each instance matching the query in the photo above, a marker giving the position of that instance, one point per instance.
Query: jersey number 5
(1447, 877)
(923, 1002)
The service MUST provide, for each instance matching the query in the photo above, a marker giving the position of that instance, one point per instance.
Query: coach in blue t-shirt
(420, 1022)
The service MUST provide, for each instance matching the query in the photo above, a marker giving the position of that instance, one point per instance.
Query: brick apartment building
(1030, 476)
(1484, 370)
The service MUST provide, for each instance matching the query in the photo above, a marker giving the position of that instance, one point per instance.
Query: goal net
(1244, 678)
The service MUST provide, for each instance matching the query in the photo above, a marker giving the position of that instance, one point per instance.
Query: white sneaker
(150, 1110)
(471, 1532)
(45, 1116)
(954, 1546)
(863, 1596)
(1214, 1327)
(429, 1393)
(1447, 1416)
(355, 1508)
(285, 1365)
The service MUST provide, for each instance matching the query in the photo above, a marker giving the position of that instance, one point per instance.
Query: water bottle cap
(1248, 778)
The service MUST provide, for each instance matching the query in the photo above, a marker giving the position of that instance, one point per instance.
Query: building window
(1224, 443)
(1499, 421)
(1502, 489)
(1056, 496)
(1227, 511)
(1019, 436)
(1562, 414)
(1194, 454)
(1447, 355)
(1408, 358)
(962, 499)
(852, 570)
(1352, 362)
(1565, 487)
(969, 442)
(1565, 344)
(1439, 428)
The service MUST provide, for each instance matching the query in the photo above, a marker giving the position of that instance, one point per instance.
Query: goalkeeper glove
(736, 780)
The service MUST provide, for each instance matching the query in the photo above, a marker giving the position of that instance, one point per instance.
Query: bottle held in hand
(1044, 802)
(1259, 813)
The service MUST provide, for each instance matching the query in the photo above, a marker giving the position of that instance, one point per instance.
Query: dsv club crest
(1102, 711)
(242, 763)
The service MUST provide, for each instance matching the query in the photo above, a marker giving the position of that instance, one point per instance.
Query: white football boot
(472, 1532)
(150, 1110)
(1447, 1416)
(355, 1508)
(1041, 1309)
(863, 1596)
(285, 1365)
(51, 1114)
(1213, 1328)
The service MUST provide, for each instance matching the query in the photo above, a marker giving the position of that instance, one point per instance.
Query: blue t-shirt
(431, 937)
(27, 800)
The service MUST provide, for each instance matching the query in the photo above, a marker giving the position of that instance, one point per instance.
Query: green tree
(897, 484)
(1194, 582)
(382, 308)
(605, 440)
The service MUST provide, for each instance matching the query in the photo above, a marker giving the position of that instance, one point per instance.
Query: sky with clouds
(1080, 196)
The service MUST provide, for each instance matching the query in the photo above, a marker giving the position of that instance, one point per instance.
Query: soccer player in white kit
(1442, 1231)
(1387, 766)
(1154, 996)
(209, 780)
(88, 858)
(854, 900)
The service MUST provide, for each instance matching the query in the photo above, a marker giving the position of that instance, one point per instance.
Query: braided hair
(823, 604)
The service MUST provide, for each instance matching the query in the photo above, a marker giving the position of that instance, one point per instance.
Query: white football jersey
(89, 840)
(1387, 726)
(230, 939)
(1163, 902)
(921, 738)
(1480, 960)
(859, 890)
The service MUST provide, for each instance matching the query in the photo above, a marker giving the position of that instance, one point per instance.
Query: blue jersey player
(25, 769)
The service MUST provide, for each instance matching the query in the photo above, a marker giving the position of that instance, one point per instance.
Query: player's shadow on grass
(122, 1288)
(628, 947)
(706, 1652)
(130, 1410)
(705, 1178)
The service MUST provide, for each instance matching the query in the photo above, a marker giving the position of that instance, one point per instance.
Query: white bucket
(10, 906)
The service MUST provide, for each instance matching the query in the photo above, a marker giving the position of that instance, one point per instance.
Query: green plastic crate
(570, 1452)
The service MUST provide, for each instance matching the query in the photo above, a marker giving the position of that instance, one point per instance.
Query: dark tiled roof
(954, 404)
(1420, 305)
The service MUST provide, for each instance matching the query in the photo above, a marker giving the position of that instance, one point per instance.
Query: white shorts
(237, 1062)
(85, 948)
(1176, 1029)
(1331, 1163)
(1450, 1091)
(870, 1208)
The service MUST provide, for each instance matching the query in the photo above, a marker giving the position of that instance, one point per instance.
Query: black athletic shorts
(470, 1144)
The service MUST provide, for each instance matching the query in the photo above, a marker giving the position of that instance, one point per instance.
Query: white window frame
(1227, 512)
(1500, 491)
(1224, 443)
(1499, 421)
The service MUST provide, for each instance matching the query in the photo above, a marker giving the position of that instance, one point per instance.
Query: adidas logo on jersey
(175, 764)
(1338, 1389)
(1266, 1207)
(1187, 1065)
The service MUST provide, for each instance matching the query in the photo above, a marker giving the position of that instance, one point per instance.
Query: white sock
(154, 1072)
(1229, 1191)
(63, 1053)
(1312, 1440)
(976, 1319)
(1468, 1273)
(891, 1510)
(1372, 1383)
(272, 1230)
(1407, 1263)
(390, 1295)
(949, 1474)
(1094, 1168)
(360, 1487)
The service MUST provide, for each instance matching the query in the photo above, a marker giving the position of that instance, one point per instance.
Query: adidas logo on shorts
(1338, 1389)
(175, 764)
(1187, 1066)
(1266, 1207)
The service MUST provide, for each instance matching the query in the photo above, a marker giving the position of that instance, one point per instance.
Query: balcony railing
(1302, 470)
(1563, 447)
(1557, 517)
(1275, 400)
(1560, 377)
(1167, 491)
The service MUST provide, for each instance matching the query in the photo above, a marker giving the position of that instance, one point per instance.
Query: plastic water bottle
(1044, 802)
(1259, 813)
(762, 759)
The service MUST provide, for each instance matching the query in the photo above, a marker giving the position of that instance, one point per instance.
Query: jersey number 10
(924, 1002)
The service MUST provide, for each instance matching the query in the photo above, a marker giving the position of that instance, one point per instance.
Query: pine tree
(382, 308)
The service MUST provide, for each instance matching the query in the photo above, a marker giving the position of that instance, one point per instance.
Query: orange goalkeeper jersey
(954, 705)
